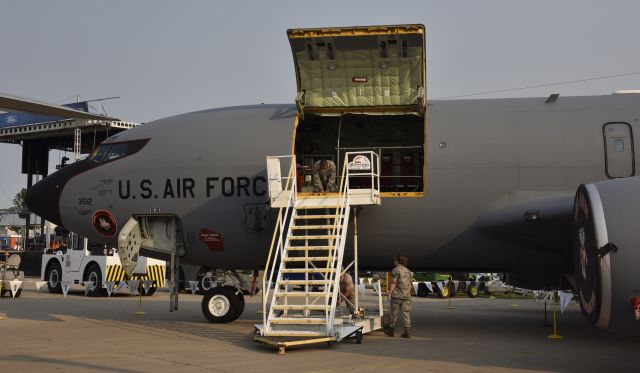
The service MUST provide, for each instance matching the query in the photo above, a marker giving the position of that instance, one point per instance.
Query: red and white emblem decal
(359, 79)
(213, 240)
(105, 223)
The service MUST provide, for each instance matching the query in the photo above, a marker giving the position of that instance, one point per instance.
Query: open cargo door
(363, 88)
(360, 68)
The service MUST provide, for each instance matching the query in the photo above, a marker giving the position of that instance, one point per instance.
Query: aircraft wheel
(472, 292)
(94, 277)
(443, 292)
(53, 276)
(220, 305)
(240, 296)
(423, 291)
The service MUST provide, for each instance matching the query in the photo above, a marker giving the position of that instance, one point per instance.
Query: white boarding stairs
(305, 263)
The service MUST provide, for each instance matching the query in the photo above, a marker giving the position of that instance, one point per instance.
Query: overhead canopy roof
(9, 103)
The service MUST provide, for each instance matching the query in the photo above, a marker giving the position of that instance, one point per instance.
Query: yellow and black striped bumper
(156, 273)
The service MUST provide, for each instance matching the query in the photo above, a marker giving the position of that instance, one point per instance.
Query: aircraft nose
(43, 198)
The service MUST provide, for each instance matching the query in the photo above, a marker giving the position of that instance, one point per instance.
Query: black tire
(359, 336)
(423, 291)
(150, 291)
(452, 289)
(240, 304)
(94, 274)
(220, 305)
(54, 284)
(240, 296)
(17, 293)
(472, 292)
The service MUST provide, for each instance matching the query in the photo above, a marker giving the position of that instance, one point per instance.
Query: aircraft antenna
(540, 85)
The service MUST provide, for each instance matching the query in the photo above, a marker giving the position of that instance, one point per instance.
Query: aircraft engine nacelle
(606, 245)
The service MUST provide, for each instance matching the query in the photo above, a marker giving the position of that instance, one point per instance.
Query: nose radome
(43, 198)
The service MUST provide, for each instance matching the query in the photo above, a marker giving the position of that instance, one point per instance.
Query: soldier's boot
(389, 331)
(406, 333)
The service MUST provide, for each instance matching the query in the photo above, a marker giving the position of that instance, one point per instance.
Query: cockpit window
(116, 150)
(99, 154)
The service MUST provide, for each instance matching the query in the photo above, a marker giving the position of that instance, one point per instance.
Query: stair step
(304, 282)
(306, 270)
(307, 259)
(304, 207)
(329, 248)
(302, 217)
(299, 294)
(299, 320)
(318, 237)
(318, 307)
(301, 227)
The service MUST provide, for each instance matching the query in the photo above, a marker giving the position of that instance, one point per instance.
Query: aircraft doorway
(619, 150)
(399, 140)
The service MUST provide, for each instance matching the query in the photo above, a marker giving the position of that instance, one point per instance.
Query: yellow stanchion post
(387, 281)
(450, 295)
(139, 312)
(555, 334)
(260, 310)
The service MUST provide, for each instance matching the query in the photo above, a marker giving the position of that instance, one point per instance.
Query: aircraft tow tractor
(93, 267)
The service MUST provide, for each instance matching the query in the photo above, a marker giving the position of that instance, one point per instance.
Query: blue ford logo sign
(12, 119)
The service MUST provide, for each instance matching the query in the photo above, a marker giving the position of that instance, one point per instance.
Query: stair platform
(366, 196)
(342, 332)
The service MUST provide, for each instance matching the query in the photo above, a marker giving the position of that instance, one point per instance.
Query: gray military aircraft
(541, 188)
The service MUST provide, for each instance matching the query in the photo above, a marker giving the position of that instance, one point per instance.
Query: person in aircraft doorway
(324, 176)
(400, 296)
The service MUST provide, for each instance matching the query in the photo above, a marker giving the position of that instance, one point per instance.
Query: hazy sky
(170, 57)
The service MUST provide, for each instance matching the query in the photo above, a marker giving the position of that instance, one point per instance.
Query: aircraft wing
(10, 103)
(544, 224)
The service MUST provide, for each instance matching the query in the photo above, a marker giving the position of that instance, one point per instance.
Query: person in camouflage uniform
(400, 296)
(347, 290)
(324, 176)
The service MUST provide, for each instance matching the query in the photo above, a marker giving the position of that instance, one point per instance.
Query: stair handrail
(341, 226)
(339, 230)
(278, 232)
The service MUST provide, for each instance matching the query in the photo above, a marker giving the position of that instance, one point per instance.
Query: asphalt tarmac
(46, 332)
